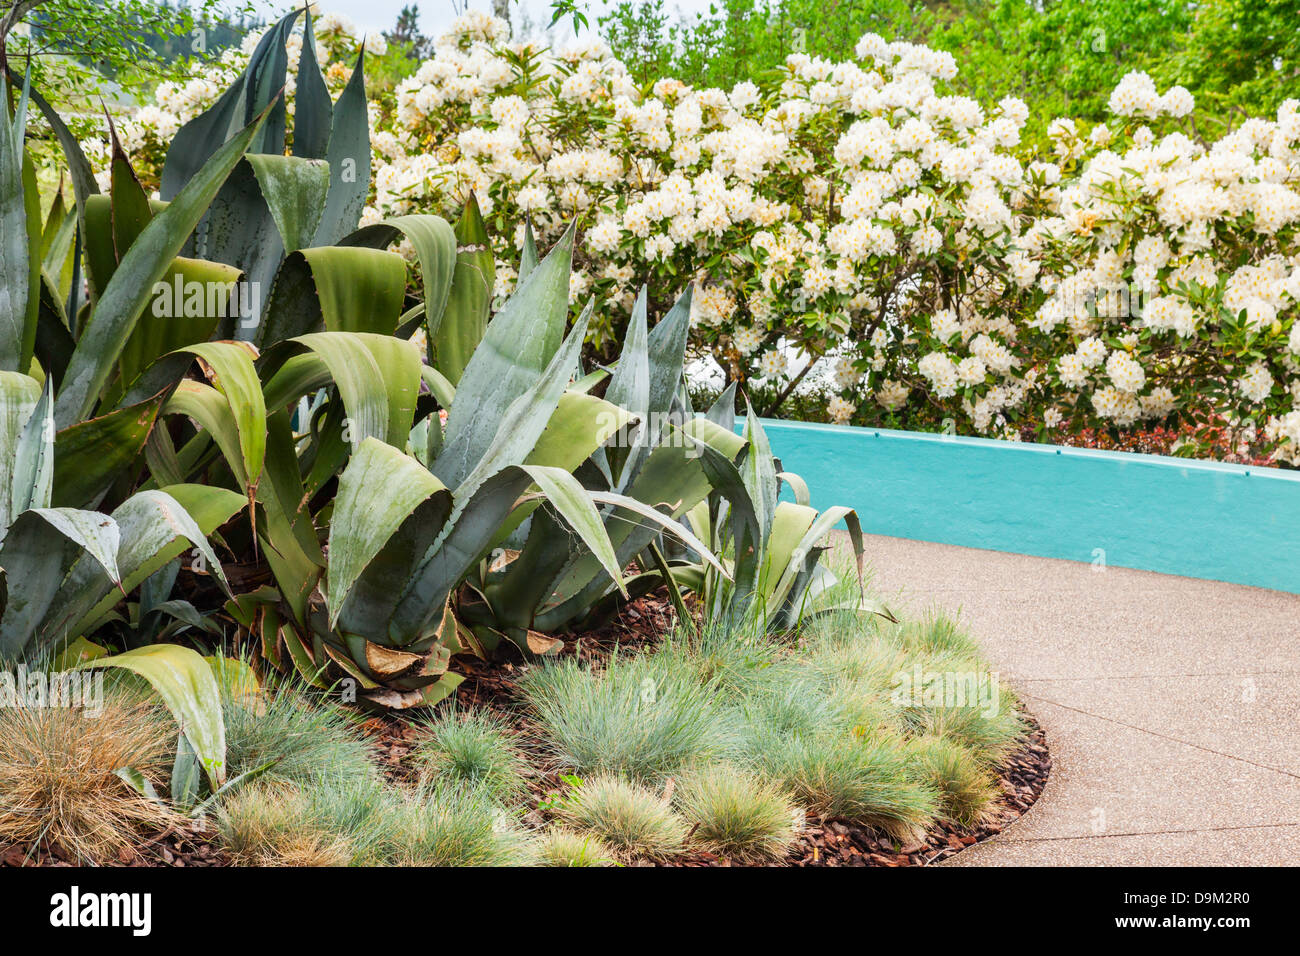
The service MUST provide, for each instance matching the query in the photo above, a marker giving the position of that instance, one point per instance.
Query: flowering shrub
(857, 212)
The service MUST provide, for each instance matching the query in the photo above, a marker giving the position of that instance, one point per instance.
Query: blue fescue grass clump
(474, 750)
(644, 716)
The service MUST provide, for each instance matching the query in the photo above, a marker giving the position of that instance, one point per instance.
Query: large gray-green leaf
(435, 248)
(516, 432)
(19, 396)
(519, 344)
(131, 287)
(18, 292)
(186, 684)
(154, 529)
(94, 532)
(349, 160)
(294, 189)
(469, 300)
(199, 139)
(312, 108)
(378, 491)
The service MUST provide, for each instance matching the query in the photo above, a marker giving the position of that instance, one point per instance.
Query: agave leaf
(90, 455)
(19, 396)
(54, 343)
(577, 506)
(378, 491)
(629, 387)
(667, 347)
(312, 107)
(57, 243)
(265, 84)
(665, 523)
(378, 378)
(515, 354)
(294, 190)
(759, 471)
(521, 426)
(435, 248)
(229, 366)
(469, 299)
(528, 257)
(341, 289)
(129, 290)
(291, 546)
(798, 487)
(790, 563)
(783, 553)
(348, 155)
(33, 459)
(672, 476)
(579, 426)
(189, 303)
(183, 679)
(130, 210)
(95, 533)
(35, 562)
(19, 239)
(155, 529)
(442, 390)
(212, 412)
(101, 257)
(723, 411)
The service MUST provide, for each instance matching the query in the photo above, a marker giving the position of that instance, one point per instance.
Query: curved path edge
(1171, 705)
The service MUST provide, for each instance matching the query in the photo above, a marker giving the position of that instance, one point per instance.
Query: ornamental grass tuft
(58, 780)
(628, 818)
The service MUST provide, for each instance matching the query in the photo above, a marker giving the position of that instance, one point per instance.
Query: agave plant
(552, 583)
(62, 570)
(420, 506)
(99, 360)
(277, 217)
(772, 548)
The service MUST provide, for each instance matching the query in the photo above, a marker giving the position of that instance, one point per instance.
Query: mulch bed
(825, 842)
(192, 844)
(491, 685)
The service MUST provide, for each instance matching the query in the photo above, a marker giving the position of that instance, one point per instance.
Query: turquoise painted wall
(1194, 518)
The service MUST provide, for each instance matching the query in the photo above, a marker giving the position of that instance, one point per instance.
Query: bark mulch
(491, 685)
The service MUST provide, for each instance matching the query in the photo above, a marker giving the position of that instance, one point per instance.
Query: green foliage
(643, 716)
(774, 547)
(1062, 57)
(966, 787)
(629, 819)
(472, 750)
(737, 814)
(559, 847)
(358, 822)
(304, 741)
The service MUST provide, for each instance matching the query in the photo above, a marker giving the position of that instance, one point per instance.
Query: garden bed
(498, 691)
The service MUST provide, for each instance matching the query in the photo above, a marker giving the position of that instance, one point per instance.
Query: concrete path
(1171, 705)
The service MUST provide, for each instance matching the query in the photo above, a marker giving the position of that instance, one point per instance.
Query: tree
(406, 34)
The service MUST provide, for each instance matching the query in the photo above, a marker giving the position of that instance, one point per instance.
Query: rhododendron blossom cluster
(858, 211)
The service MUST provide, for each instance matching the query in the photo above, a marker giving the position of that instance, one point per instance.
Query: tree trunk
(501, 8)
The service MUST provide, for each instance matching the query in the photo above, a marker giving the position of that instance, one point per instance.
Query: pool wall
(1174, 515)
